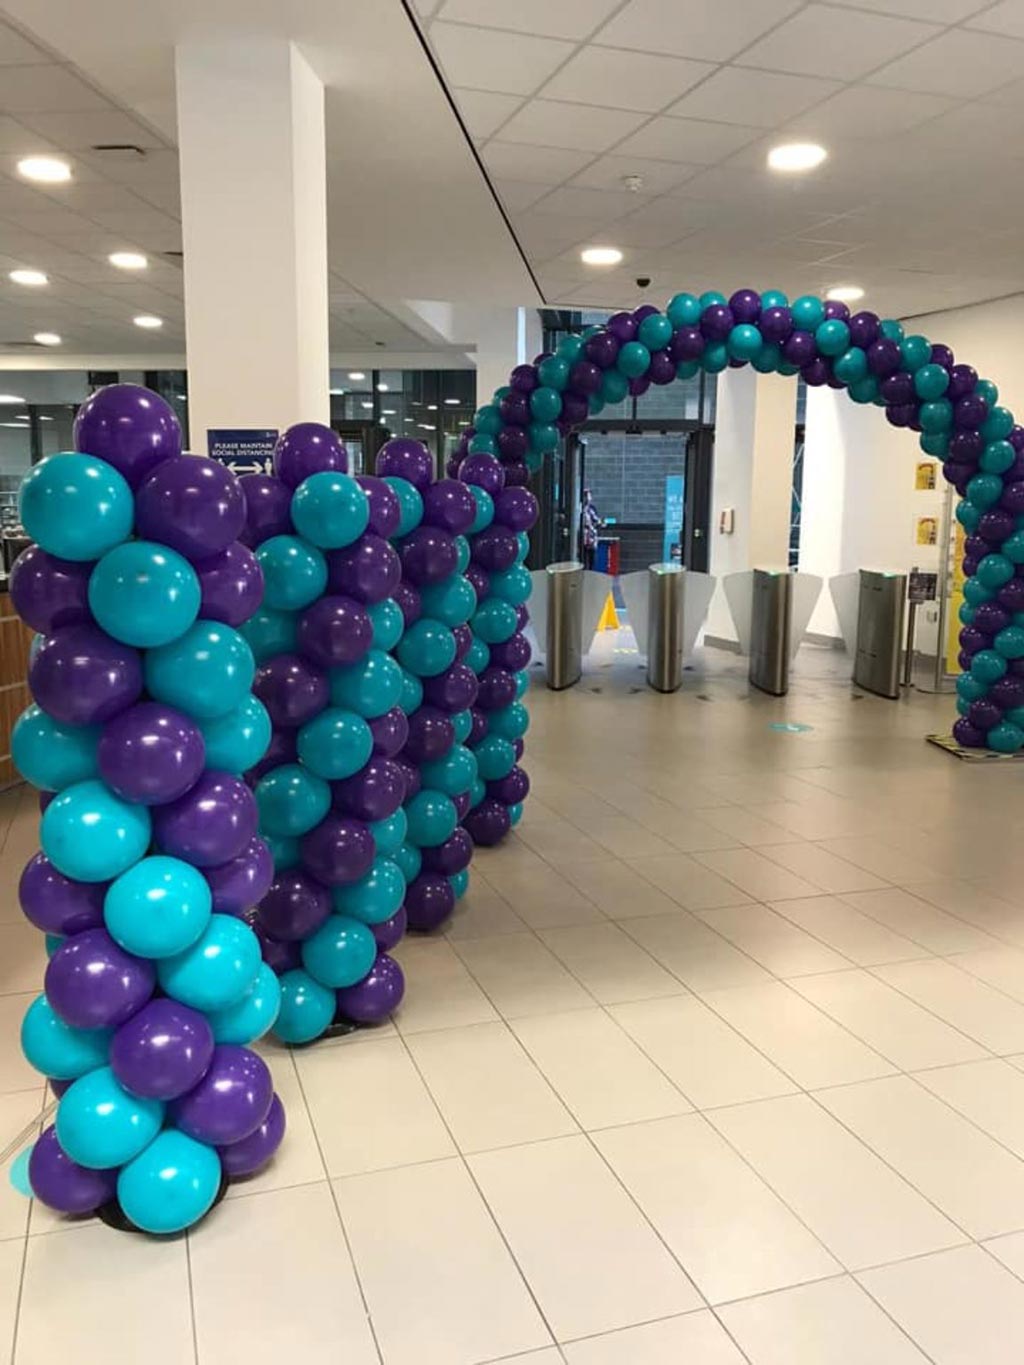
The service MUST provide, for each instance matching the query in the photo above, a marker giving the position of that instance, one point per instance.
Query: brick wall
(626, 475)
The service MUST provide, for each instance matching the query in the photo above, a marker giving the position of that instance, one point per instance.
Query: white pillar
(254, 212)
(506, 337)
(755, 422)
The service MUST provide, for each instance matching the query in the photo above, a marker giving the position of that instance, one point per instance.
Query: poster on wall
(672, 544)
(926, 530)
(243, 450)
(926, 476)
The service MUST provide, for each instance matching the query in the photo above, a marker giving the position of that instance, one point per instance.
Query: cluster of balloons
(331, 787)
(439, 606)
(142, 724)
(919, 384)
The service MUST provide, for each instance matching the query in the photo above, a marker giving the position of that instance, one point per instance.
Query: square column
(505, 338)
(254, 215)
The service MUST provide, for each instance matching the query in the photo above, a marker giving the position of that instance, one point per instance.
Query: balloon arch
(920, 386)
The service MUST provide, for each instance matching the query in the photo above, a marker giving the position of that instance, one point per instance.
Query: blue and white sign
(673, 518)
(243, 450)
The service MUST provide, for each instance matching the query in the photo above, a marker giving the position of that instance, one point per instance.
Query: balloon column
(329, 790)
(142, 723)
(439, 687)
(919, 384)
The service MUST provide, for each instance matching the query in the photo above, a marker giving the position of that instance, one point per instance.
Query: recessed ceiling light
(22, 417)
(425, 426)
(389, 412)
(47, 338)
(10, 399)
(16, 426)
(128, 260)
(845, 293)
(336, 393)
(796, 156)
(431, 407)
(356, 374)
(148, 320)
(382, 388)
(33, 278)
(49, 170)
(366, 405)
(601, 255)
(453, 402)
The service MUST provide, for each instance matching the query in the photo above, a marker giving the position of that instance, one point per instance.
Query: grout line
(191, 1297)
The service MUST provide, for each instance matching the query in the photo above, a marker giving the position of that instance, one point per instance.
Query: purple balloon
(295, 906)
(517, 509)
(194, 505)
(268, 508)
(377, 996)
(48, 592)
(429, 901)
(687, 344)
(385, 509)
(984, 714)
(231, 584)
(815, 372)
(513, 654)
(130, 427)
(334, 631)
(428, 555)
(211, 824)
(280, 957)
(308, 448)
(92, 983)
(970, 411)
(453, 690)
(965, 447)
(519, 747)
(480, 580)
(80, 676)
(524, 378)
(967, 735)
(292, 689)
(638, 387)
(338, 851)
(717, 321)
(522, 616)
(1011, 501)
(495, 548)
(230, 1102)
(884, 357)
(240, 884)
(513, 447)
(863, 329)
(898, 388)
(515, 409)
(390, 931)
(454, 855)
(972, 639)
(510, 789)
(409, 603)
(662, 368)
(746, 305)
(479, 727)
(63, 1185)
(602, 349)
(991, 617)
(835, 308)
(403, 457)
(497, 689)
(489, 822)
(463, 641)
(56, 904)
(462, 803)
(1011, 595)
(516, 475)
(963, 380)
(151, 754)
(411, 773)
(390, 732)
(431, 735)
(799, 348)
(942, 355)
(449, 505)
(622, 326)
(252, 1153)
(576, 409)
(373, 793)
(163, 1051)
(484, 471)
(1008, 692)
(368, 570)
(282, 748)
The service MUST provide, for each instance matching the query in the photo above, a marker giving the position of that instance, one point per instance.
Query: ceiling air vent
(122, 150)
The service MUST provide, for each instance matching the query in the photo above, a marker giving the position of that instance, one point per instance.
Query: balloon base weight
(115, 1217)
(949, 746)
(340, 1027)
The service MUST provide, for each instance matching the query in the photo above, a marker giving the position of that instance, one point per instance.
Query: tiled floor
(721, 1061)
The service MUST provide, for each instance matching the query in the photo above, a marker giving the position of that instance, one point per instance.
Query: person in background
(592, 523)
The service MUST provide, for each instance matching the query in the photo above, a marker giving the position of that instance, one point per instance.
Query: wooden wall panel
(15, 638)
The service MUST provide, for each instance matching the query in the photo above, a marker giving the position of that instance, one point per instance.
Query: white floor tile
(885, 860)
(997, 916)
(696, 1339)
(731, 1233)
(441, 993)
(757, 875)
(858, 937)
(22, 958)
(441, 1286)
(626, 838)
(522, 977)
(861, 1209)
(610, 964)
(618, 889)
(699, 957)
(15, 1072)
(745, 826)
(823, 869)
(1009, 1250)
(11, 1255)
(915, 919)
(779, 946)
(543, 899)
(18, 1111)
(692, 885)
(586, 1251)
(1000, 967)
(481, 913)
(298, 1160)
(990, 1094)
(984, 1014)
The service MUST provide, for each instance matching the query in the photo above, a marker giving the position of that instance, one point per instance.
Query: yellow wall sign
(926, 531)
(956, 597)
(926, 476)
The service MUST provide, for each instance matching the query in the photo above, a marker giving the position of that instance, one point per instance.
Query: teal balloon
(454, 773)
(715, 357)
(463, 554)
(432, 818)
(388, 623)
(634, 359)
(891, 329)
(389, 833)
(509, 722)
(931, 381)
(52, 756)
(171, 1184)
(515, 813)
(975, 593)
(374, 898)
(935, 443)
(100, 1125)
(655, 332)
(988, 666)
(411, 698)
(330, 510)
(75, 506)
(58, 1050)
(523, 541)
(1009, 642)
(969, 689)
(744, 341)
(995, 571)
(997, 457)
(522, 684)
(1012, 547)
(543, 437)
(460, 883)
(570, 347)
(774, 298)
(252, 1016)
(936, 416)
(335, 744)
(91, 835)
(1016, 716)
(478, 656)
(369, 687)
(1005, 738)
(484, 509)
(614, 387)
(684, 310)
(554, 372)
(307, 1008)
(687, 369)
(495, 757)
(851, 366)
(452, 602)
(968, 515)
(294, 572)
(291, 800)
(808, 313)
(477, 792)
(283, 849)
(483, 444)
(864, 390)
(144, 594)
(236, 742)
(766, 360)
(207, 673)
(988, 391)
(711, 296)
(494, 621)
(268, 632)
(546, 404)
(409, 860)
(832, 337)
(966, 614)
(158, 908)
(52, 942)
(916, 353)
(487, 420)
(340, 952)
(410, 503)
(997, 425)
(462, 724)
(217, 970)
(512, 585)
(427, 648)
(984, 491)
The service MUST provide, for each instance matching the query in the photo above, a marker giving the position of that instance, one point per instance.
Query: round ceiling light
(356, 375)
(128, 260)
(796, 156)
(601, 255)
(148, 320)
(47, 170)
(32, 278)
(46, 339)
(845, 293)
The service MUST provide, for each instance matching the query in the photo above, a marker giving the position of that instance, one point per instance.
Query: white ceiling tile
(518, 195)
(484, 111)
(543, 165)
(78, 132)
(862, 111)
(958, 62)
(481, 58)
(46, 89)
(688, 140)
(18, 140)
(937, 11)
(16, 50)
(584, 127)
(712, 30)
(842, 43)
(609, 173)
(625, 80)
(564, 19)
(576, 201)
(757, 98)
(1006, 18)
(425, 8)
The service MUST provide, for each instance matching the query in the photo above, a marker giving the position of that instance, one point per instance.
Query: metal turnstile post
(769, 631)
(880, 616)
(565, 624)
(665, 626)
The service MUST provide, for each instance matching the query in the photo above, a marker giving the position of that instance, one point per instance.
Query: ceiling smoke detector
(633, 183)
